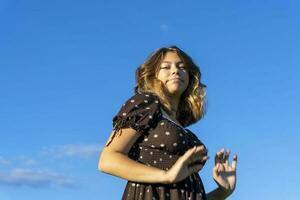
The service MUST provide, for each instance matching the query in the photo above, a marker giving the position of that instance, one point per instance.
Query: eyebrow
(171, 62)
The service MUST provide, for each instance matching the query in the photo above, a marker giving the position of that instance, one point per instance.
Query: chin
(175, 92)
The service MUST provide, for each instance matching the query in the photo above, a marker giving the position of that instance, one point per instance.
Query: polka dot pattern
(160, 144)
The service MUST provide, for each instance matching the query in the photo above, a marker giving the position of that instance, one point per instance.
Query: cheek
(162, 76)
(186, 76)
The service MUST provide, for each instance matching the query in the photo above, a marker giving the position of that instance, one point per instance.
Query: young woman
(150, 146)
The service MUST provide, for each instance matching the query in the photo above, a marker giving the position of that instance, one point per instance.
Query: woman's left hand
(224, 174)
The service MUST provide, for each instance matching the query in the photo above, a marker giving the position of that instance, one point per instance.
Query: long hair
(192, 105)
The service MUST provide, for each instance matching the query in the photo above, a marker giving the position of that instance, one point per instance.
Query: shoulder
(141, 100)
(140, 111)
(141, 105)
(146, 97)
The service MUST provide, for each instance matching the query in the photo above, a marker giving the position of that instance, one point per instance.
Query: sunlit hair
(192, 103)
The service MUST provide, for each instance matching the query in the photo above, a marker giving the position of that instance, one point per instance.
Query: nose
(175, 69)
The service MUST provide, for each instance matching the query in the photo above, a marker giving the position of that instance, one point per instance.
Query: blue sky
(67, 66)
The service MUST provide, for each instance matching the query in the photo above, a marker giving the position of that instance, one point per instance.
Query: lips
(176, 79)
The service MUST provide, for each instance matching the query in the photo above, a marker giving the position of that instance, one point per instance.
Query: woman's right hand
(190, 162)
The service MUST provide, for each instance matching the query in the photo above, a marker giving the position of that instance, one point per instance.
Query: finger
(234, 162)
(218, 157)
(216, 169)
(226, 157)
(190, 152)
(203, 152)
(186, 156)
(201, 149)
(199, 160)
(222, 155)
(220, 168)
(199, 152)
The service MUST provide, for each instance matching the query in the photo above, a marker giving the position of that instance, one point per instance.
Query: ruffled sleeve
(140, 112)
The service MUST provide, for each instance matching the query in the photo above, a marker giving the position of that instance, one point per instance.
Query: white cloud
(4, 161)
(36, 179)
(30, 162)
(23, 176)
(74, 150)
(20, 161)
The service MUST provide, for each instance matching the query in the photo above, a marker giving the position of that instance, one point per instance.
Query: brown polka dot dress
(161, 143)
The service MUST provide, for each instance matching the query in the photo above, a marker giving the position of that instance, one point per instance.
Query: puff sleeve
(140, 112)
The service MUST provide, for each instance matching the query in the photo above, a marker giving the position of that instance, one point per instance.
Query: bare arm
(114, 161)
(217, 194)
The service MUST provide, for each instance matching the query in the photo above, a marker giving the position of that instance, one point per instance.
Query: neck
(174, 102)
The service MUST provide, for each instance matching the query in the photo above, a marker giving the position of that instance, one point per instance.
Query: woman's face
(173, 74)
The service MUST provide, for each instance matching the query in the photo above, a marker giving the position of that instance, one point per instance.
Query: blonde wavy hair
(192, 105)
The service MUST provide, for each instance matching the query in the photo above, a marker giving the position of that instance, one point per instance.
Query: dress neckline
(163, 113)
(166, 116)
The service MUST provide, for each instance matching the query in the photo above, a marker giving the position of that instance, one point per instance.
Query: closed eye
(165, 66)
